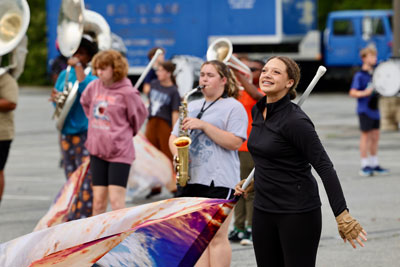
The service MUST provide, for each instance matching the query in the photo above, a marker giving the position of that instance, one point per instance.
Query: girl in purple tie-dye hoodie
(116, 112)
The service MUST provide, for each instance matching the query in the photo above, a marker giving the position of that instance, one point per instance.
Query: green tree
(35, 72)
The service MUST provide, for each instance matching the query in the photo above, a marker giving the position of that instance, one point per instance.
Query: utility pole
(396, 29)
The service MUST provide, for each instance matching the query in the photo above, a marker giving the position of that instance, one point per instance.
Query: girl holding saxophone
(218, 125)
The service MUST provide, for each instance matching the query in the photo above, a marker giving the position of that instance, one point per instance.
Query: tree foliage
(35, 72)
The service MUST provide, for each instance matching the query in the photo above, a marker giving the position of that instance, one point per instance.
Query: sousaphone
(14, 22)
(73, 22)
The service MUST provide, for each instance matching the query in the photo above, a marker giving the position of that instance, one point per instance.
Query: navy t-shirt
(163, 100)
(151, 75)
(360, 82)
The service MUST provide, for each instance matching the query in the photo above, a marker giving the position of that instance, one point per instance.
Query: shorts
(4, 149)
(105, 173)
(211, 191)
(368, 124)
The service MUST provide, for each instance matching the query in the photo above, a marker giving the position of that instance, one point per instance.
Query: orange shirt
(248, 102)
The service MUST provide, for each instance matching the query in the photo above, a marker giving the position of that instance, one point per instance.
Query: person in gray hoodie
(116, 112)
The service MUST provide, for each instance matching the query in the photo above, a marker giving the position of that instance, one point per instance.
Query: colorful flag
(172, 232)
(62, 204)
(150, 168)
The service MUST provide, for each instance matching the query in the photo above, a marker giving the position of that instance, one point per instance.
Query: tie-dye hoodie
(115, 115)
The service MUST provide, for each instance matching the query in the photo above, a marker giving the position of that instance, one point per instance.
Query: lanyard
(204, 109)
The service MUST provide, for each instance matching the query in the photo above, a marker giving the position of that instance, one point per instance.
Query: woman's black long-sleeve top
(284, 146)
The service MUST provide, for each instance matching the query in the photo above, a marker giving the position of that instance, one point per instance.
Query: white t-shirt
(209, 161)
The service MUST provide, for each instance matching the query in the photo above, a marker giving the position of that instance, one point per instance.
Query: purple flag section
(172, 232)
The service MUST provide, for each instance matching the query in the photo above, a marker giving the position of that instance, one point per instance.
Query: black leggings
(106, 173)
(286, 240)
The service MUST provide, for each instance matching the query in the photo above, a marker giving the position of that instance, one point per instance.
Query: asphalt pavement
(33, 178)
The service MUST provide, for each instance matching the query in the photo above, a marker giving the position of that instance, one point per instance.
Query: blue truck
(258, 28)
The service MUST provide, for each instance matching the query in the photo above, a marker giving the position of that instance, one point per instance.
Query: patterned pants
(74, 153)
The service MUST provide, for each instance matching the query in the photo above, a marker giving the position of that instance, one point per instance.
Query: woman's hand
(54, 95)
(192, 124)
(239, 191)
(350, 229)
(72, 61)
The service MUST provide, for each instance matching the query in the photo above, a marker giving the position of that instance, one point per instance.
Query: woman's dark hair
(89, 46)
(293, 72)
(153, 51)
(169, 66)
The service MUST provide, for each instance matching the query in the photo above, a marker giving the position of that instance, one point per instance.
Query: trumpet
(183, 142)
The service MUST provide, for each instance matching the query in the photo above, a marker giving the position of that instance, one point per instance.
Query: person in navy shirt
(368, 114)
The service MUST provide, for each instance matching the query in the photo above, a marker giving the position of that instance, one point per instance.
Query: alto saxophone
(183, 142)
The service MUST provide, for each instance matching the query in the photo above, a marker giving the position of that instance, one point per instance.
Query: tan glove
(348, 227)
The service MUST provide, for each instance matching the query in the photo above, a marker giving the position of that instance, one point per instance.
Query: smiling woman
(284, 145)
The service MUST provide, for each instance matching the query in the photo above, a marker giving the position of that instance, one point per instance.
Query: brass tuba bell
(221, 49)
(14, 22)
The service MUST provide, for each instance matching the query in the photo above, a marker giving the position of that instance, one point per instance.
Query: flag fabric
(150, 168)
(172, 232)
(62, 204)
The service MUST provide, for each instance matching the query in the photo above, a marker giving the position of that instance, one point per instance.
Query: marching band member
(152, 73)
(284, 145)
(243, 212)
(116, 112)
(164, 105)
(218, 125)
(368, 114)
(74, 131)
(163, 109)
(8, 103)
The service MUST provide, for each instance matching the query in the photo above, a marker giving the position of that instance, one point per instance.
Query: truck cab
(347, 32)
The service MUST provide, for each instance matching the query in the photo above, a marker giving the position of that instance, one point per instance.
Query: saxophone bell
(182, 160)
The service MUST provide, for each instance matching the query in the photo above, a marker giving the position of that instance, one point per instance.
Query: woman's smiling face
(274, 80)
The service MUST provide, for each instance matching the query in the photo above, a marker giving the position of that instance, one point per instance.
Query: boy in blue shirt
(368, 113)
